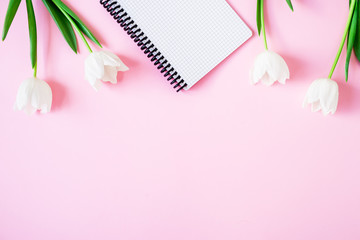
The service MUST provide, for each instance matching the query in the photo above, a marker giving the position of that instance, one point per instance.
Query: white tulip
(323, 94)
(103, 66)
(268, 68)
(34, 94)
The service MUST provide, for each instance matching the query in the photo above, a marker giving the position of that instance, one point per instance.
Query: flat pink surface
(226, 160)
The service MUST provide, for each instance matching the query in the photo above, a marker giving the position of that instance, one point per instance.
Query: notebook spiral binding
(135, 32)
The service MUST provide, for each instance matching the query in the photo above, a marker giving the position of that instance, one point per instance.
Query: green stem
(75, 26)
(263, 24)
(35, 70)
(84, 40)
(351, 13)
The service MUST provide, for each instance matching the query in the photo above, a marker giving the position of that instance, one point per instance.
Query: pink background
(226, 160)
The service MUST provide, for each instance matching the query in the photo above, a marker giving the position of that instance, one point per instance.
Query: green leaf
(357, 35)
(32, 32)
(63, 24)
(10, 14)
(290, 5)
(258, 16)
(351, 39)
(83, 28)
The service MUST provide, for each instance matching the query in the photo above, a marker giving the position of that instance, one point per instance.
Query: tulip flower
(269, 67)
(103, 65)
(323, 94)
(34, 94)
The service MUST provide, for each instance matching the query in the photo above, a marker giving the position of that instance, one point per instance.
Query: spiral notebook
(185, 39)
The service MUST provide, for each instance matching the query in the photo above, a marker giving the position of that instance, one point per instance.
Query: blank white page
(193, 35)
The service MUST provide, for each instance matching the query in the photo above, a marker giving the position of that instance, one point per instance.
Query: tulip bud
(103, 66)
(268, 68)
(34, 94)
(323, 94)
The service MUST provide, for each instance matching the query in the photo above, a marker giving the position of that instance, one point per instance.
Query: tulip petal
(122, 67)
(29, 109)
(45, 97)
(316, 106)
(96, 85)
(41, 98)
(110, 74)
(257, 75)
(94, 65)
(110, 59)
(267, 80)
(259, 69)
(24, 94)
(277, 67)
(94, 82)
(283, 80)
